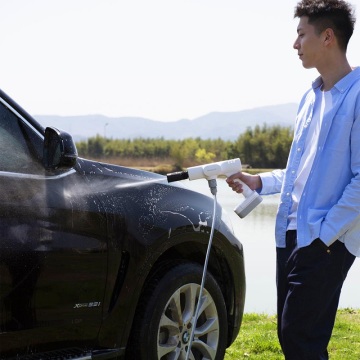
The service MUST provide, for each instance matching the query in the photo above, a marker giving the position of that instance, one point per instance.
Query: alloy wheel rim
(177, 321)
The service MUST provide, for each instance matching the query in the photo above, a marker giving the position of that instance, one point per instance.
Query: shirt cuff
(267, 183)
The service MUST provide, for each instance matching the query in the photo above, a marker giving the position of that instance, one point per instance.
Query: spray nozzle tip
(177, 176)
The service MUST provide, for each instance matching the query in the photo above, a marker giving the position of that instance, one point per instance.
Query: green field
(258, 339)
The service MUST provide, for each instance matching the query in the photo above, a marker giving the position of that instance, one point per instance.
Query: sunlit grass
(258, 338)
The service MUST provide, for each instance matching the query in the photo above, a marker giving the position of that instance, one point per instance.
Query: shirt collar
(343, 84)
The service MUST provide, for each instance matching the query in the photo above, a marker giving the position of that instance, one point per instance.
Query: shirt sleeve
(271, 182)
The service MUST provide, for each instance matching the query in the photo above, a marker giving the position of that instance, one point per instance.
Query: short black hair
(335, 14)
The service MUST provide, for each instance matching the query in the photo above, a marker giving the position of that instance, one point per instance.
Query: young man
(318, 220)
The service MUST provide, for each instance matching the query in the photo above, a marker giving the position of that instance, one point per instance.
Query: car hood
(131, 175)
(106, 176)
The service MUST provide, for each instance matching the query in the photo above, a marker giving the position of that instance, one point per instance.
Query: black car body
(92, 255)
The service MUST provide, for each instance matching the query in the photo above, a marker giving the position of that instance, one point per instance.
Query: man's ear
(328, 36)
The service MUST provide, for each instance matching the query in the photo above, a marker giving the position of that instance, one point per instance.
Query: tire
(164, 320)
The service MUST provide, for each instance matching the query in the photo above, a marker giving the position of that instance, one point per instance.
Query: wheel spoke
(206, 301)
(208, 327)
(169, 335)
(191, 356)
(175, 307)
(166, 349)
(190, 301)
(206, 350)
(171, 325)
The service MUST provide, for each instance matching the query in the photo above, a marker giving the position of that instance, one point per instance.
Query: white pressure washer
(211, 172)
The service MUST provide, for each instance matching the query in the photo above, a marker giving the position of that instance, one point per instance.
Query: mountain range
(224, 125)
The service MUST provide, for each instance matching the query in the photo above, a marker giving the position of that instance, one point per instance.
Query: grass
(258, 339)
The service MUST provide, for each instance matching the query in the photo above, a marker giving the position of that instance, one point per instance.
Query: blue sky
(160, 59)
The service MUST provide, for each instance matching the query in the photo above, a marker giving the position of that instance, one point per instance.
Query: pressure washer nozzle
(176, 176)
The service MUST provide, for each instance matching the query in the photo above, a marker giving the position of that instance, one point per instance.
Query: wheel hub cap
(186, 337)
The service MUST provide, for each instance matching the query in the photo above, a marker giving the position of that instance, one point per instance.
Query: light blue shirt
(329, 207)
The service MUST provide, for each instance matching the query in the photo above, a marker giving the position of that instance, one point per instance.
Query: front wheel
(166, 316)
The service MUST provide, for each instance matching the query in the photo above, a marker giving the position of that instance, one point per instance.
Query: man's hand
(252, 181)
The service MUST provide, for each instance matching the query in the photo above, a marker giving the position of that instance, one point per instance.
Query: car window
(20, 145)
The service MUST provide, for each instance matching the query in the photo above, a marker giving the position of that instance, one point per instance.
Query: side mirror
(59, 150)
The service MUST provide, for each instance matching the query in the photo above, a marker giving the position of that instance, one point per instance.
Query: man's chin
(307, 66)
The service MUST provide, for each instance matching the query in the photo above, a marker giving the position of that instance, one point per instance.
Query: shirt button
(287, 194)
(298, 149)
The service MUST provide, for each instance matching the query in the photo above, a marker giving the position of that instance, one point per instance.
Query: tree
(260, 147)
(203, 157)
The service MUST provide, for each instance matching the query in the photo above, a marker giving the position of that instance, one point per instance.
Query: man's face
(308, 44)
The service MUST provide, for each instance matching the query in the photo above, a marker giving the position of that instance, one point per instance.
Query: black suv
(101, 261)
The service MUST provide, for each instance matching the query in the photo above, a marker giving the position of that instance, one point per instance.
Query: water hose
(213, 188)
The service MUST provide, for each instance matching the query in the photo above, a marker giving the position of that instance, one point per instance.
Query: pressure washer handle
(252, 200)
(246, 190)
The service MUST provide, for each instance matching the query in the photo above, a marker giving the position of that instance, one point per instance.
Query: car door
(53, 251)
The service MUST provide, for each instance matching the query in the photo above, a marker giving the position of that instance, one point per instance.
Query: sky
(164, 60)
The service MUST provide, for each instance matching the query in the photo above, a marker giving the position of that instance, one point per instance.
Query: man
(318, 221)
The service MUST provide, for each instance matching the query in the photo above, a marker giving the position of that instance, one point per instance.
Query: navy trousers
(309, 282)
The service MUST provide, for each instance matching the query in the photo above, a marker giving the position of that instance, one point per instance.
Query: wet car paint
(78, 245)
